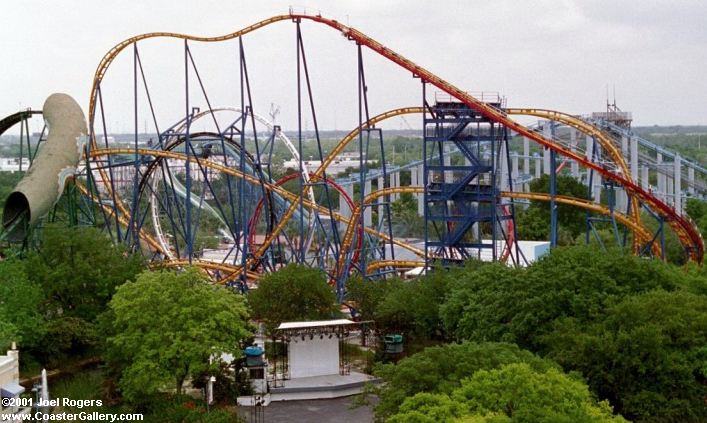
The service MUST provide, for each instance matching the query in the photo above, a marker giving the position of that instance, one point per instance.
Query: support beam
(514, 171)
(526, 156)
(503, 165)
(448, 175)
(589, 147)
(662, 191)
(596, 190)
(691, 180)
(553, 205)
(574, 166)
(538, 166)
(420, 197)
(395, 183)
(344, 208)
(624, 145)
(380, 200)
(367, 212)
(634, 158)
(547, 133)
(677, 179)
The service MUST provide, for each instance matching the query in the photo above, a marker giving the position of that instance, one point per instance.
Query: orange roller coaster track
(562, 199)
(640, 235)
(293, 198)
(689, 236)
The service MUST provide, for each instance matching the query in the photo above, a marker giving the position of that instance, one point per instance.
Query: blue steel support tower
(463, 212)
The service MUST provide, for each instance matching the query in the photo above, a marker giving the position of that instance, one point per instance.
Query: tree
(647, 356)
(367, 295)
(413, 306)
(20, 307)
(441, 369)
(696, 208)
(497, 303)
(293, 293)
(531, 224)
(66, 338)
(674, 251)
(410, 307)
(536, 219)
(512, 393)
(405, 219)
(79, 269)
(166, 326)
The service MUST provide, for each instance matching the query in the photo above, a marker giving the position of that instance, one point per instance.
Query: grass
(82, 386)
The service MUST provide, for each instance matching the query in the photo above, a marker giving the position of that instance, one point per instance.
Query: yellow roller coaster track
(640, 231)
(348, 235)
(203, 264)
(584, 127)
(395, 264)
(683, 227)
(562, 199)
(293, 198)
(109, 210)
(604, 140)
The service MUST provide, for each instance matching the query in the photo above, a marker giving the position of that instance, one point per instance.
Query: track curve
(682, 225)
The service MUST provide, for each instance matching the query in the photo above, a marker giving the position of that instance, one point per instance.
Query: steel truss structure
(157, 196)
(463, 197)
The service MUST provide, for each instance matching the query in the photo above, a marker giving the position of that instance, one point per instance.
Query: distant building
(342, 162)
(12, 164)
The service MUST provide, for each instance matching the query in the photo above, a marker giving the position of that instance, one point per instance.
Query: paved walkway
(336, 410)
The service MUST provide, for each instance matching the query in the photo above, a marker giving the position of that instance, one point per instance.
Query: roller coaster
(211, 172)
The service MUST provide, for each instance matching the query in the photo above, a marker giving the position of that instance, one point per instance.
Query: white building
(12, 164)
(315, 365)
(10, 381)
(342, 162)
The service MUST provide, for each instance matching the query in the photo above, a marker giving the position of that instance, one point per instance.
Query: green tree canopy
(21, 300)
(440, 370)
(696, 208)
(293, 293)
(367, 295)
(512, 393)
(534, 222)
(409, 307)
(405, 219)
(167, 325)
(648, 356)
(497, 303)
(79, 269)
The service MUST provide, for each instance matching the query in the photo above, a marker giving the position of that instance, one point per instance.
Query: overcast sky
(552, 54)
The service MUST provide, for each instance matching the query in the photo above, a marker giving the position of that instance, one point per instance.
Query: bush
(165, 328)
(185, 409)
(79, 269)
(67, 338)
(441, 369)
(512, 393)
(20, 300)
(648, 356)
(295, 292)
(496, 303)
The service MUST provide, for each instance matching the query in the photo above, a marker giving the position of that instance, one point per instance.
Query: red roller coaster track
(689, 236)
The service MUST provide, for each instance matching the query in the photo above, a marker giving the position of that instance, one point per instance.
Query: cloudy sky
(556, 54)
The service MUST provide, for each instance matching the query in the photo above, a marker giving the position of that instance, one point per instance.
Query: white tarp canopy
(314, 324)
